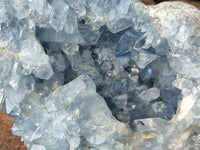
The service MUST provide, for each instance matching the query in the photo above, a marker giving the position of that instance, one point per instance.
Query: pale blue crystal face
(101, 74)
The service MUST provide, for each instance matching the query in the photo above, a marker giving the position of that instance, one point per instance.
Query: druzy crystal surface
(101, 74)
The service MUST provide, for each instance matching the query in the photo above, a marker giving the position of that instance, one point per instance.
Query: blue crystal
(99, 74)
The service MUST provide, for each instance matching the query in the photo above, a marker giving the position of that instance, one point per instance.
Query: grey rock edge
(55, 113)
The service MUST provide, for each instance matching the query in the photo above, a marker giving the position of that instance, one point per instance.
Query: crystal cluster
(101, 74)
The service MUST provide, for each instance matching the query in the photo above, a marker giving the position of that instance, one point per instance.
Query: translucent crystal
(101, 75)
(38, 147)
(41, 69)
(142, 58)
(149, 95)
(119, 18)
(70, 107)
(6, 66)
(59, 15)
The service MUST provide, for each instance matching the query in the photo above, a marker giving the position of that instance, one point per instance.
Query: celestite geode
(101, 74)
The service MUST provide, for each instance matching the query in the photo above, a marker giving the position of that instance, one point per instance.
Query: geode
(101, 74)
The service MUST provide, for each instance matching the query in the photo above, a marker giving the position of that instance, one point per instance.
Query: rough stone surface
(196, 3)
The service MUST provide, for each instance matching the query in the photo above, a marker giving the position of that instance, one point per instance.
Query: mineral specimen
(101, 74)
